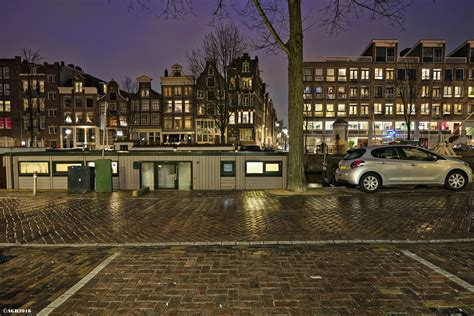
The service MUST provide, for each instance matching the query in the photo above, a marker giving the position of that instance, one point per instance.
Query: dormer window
(145, 93)
(78, 87)
(245, 67)
(210, 71)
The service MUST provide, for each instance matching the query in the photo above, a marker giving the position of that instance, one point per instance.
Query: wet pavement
(235, 216)
(54, 243)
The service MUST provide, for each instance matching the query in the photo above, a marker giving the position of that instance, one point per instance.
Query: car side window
(386, 153)
(416, 154)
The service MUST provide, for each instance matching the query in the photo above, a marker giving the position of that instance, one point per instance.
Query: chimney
(166, 72)
(62, 63)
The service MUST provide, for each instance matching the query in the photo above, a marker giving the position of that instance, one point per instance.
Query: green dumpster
(103, 175)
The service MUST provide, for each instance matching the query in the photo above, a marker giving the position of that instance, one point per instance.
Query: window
(432, 54)
(353, 109)
(390, 74)
(353, 74)
(425, 74)
(145, 105)
(341, 110)
(318, 109)
(168, 106)
(307, 74)
(227, 168)
(378, 75)
(400, 109)
(364, 110)
(155, 119)
(89, 117)
(187, 106)
(457, 109)
(401, 74)
(6, 89)
(79, 118)
(330, 93)
(7, 106)
(306, 94)
(385, 153)
(425, 109)
(78, 87)
(168, 123)
(178, 106)
(458, 92)
(436, 92)
(446, 108)
(178, 91)
(178, 123)
(364, 74)
(389, 109)
(435, 109)
(145, 119)
(341, 92)
(78, 102)
(52, 130)
(459, 74)
(412, 153)
(411, 74)
(425, 91)
(41, 168)
(187, 123)
(342, 74)
(330, 110)
(470, 92)
(318, 92)
(167, 91)
(377, 108)
(448, 92)
(210, 82)
(378, 92)
(245, 67)
(246, 83)
(6, 73)
(246, 134)
(61, 168)
(353, 92)
(364, 92)
(448, 74)
(263, 168)
(471, 74)
(330, 74)
(437, 74)
(155, 105)
(318, 74)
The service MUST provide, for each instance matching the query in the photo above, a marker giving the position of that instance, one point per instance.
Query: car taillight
(357, 163)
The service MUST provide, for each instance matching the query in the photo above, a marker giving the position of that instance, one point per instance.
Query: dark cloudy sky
(108, 41)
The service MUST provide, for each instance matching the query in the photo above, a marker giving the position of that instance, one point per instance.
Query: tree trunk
(295, 99)
(408, 122)
(222, 136)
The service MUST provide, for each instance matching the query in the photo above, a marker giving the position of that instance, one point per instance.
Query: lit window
(330, 74)
(261, 168)
(342, 74)
(61, 168)
(38, 167)
(378, 73)
(425, 74)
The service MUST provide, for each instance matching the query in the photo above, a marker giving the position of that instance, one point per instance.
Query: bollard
(35, 182)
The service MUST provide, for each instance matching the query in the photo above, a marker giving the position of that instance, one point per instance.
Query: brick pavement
(256, 280)
(240, 215)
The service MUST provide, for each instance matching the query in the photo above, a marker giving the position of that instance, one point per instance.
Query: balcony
(360, 59)
(455, 60)
(409, 60)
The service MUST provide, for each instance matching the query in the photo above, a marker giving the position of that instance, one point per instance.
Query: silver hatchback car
(373, 167)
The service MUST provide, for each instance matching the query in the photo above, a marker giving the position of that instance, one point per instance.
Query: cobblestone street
(229, 253)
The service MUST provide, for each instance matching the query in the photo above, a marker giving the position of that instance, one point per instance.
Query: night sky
(108, 41)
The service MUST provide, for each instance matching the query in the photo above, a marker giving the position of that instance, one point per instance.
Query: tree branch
(270, 27)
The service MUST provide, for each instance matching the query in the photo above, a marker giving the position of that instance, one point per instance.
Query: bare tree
(31, 92)
(280, 25)
(407, 92)
(220, 47)
(130, 87)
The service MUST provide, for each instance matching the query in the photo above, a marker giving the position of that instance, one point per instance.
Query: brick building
(365, 91)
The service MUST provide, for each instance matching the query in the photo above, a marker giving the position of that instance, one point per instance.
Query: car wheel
(370, 182)
(456, 180)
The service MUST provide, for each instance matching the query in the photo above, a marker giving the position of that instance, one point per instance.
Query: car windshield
(354, 154)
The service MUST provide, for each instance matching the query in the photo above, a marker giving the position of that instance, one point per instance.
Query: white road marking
(60, 300)
(450, 276)
(240, 243)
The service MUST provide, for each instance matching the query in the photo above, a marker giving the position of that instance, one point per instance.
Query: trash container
(80, 179)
